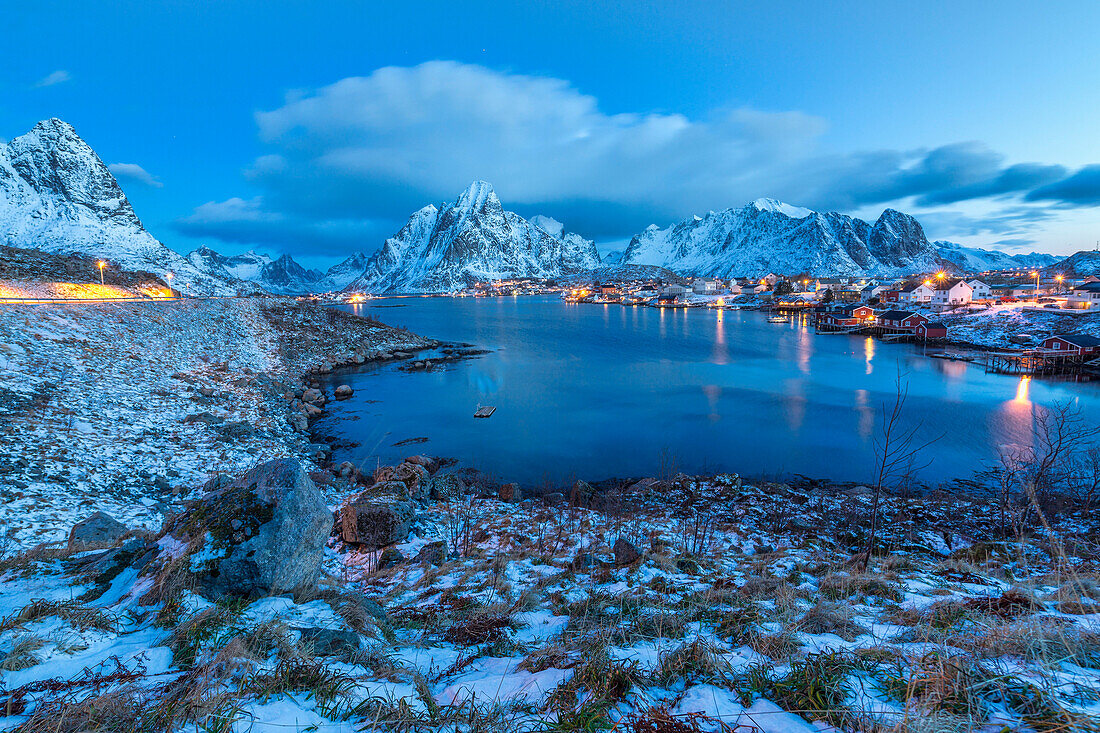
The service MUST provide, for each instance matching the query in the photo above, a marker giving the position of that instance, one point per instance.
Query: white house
(980, 291)
(674, 290)
(915, 292)
(704, 286)
(735, 289)
(1085, 296)
(878, 290)
(827, 283)
(950, 293)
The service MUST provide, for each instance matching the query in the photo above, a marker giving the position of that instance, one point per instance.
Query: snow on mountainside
(341, 274)
(473, 240)
(974, 259)
(1079, 264)
(283, 276)
(56, 195)
(770, 236)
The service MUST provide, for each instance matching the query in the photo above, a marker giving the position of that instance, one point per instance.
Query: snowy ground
(744, 609)
(994, 326)
(121, 407)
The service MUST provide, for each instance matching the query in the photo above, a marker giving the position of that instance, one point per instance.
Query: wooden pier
(1034, 362)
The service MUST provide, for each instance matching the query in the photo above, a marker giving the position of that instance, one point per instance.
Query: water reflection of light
(720, 355)
(794, 403)
(805, 351)
(713, 393)
(1023, 390)
(866, 413)
(869, 353)
(1019, 416)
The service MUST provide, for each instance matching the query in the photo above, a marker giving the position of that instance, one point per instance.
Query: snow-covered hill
(974, 259)
(56, 195)
(1080, 264)
(473, 240)
(770, 236)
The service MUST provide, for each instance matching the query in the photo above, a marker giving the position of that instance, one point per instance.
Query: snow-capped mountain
(770, 236)
(472, 240)
(247, 266)
(975, 259)
(283, 276)
(1079, 264)
(56, 195)
(287, 277)
(340, 275)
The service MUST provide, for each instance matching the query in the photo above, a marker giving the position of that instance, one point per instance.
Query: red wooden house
(846, 316)
(895, 320)
(1074, 344)
(931, 330)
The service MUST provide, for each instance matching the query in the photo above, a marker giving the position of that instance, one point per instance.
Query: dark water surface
(594, 391)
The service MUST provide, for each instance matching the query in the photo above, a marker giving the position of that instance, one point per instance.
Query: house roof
(1089, 287)
(896, 315)
(1078, 339)
(849, 308)
(935, 324)
(948, 284)
(909, 286)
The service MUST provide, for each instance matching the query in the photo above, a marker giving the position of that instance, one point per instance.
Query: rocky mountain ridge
(770, 236)
(454, 245)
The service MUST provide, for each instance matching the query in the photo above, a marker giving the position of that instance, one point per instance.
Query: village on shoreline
(1013, 322)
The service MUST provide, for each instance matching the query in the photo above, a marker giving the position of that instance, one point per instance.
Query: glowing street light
(101, 264)
(1035, 274)
(941, 274)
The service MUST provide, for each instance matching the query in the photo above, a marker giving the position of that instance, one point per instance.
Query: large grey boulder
(264, 533)
(98, 530)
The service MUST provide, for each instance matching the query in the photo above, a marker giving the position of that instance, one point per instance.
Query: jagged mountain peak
(473, 240)
(773, 205)
(548, 224)
(767, 235)
(57, 195)
(477, 196)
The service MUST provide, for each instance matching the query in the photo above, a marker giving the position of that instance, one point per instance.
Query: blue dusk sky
(316, 128)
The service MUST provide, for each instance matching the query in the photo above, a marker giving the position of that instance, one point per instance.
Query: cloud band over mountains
(350, 161)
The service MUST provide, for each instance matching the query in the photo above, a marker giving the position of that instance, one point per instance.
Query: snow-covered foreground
(121, 407)
(687, 604)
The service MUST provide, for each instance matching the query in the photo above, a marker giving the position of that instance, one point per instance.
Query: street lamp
(101, 264)
(1035, 274)
(170, 276)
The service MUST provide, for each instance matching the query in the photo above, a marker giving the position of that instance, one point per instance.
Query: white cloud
(367, 151)
(134, 172)
(57, 77)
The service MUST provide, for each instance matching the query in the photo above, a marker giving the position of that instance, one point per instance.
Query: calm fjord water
(592, 391)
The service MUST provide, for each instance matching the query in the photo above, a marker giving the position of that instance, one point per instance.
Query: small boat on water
(486, 411)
